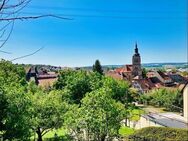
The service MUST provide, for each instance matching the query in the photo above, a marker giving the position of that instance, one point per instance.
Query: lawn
(126, 131)
(60, 133)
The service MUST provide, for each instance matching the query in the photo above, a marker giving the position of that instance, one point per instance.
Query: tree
(98, 117)
(47, 112)
(11, 74)
(77, 83)
(170, 99)
(14, 102)
(144, 73)
(119, 89)
(97, 67)
(15, 115)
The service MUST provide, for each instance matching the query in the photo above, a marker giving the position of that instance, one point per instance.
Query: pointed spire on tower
(136, 48)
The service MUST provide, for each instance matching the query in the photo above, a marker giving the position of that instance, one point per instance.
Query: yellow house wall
(185, 103)
(142, 123)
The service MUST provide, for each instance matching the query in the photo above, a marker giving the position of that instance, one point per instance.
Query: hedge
(159, 134)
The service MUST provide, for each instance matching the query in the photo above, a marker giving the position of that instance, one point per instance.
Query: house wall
(142, 123)
(185, 103)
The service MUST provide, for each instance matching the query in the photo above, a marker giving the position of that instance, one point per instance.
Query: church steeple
(136, 49)
(136, 62)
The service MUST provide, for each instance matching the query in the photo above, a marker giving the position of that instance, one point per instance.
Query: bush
(160, 134)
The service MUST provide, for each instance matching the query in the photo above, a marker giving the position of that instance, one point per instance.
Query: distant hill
(105, 67)
(146, 65)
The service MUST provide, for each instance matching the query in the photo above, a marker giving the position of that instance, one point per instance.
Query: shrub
(160, 134)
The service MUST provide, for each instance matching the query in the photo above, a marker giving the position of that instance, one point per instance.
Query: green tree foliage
(145, 99)
(14, 102)
(119, 89)
(166, 98)
(98, 117)
(88, 103)
(75, 83)
(97, 67)
(160, 134)
(47, 112)
(184, 73)
(11, 75)
(144, 73)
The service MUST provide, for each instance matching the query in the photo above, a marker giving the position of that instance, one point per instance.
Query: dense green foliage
(98, 117)
(87, 104)
(167, 98)
(144, 73)
(14, 104)
(160, 134)
(97, 67)
(47, 111)
(75, 84)
(172, 100)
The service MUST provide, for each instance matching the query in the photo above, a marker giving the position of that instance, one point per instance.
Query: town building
(133, 74)
(170, 120)
(136, 64)
(41, 76)
(154, 78)
(163, 78)
(185, 102)
(130, 71)
(167, 119)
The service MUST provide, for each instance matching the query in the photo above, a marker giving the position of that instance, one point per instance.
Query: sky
(100, 29)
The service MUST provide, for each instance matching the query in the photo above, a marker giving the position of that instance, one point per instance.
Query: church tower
(136, 64)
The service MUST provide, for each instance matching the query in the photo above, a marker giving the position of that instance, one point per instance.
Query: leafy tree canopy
(97, 67)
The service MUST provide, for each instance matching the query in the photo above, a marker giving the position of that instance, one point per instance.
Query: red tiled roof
(114, 75)
(126, 68)
(47, 76)
(146, 84)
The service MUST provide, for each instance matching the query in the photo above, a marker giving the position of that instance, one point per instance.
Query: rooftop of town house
(126, 68)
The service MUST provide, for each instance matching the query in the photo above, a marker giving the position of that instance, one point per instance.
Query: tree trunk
(103, 137)
(39, 134)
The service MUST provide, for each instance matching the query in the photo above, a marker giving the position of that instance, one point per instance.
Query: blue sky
(101, 29)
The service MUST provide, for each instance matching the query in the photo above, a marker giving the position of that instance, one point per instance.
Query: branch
(5, 26)
(16, 6)
(5, 52)
(8, 35)
(33, 17)
(2, 5)
(45, 132)
(27, 54)
(25, 2)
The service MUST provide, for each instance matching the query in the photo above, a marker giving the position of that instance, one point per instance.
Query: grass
(136, 114)
(60, 133)
(154, 109)
(126, 131)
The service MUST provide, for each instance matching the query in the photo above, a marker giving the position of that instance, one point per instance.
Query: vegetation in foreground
(159, 134)
(170, 99)
(87, 105)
